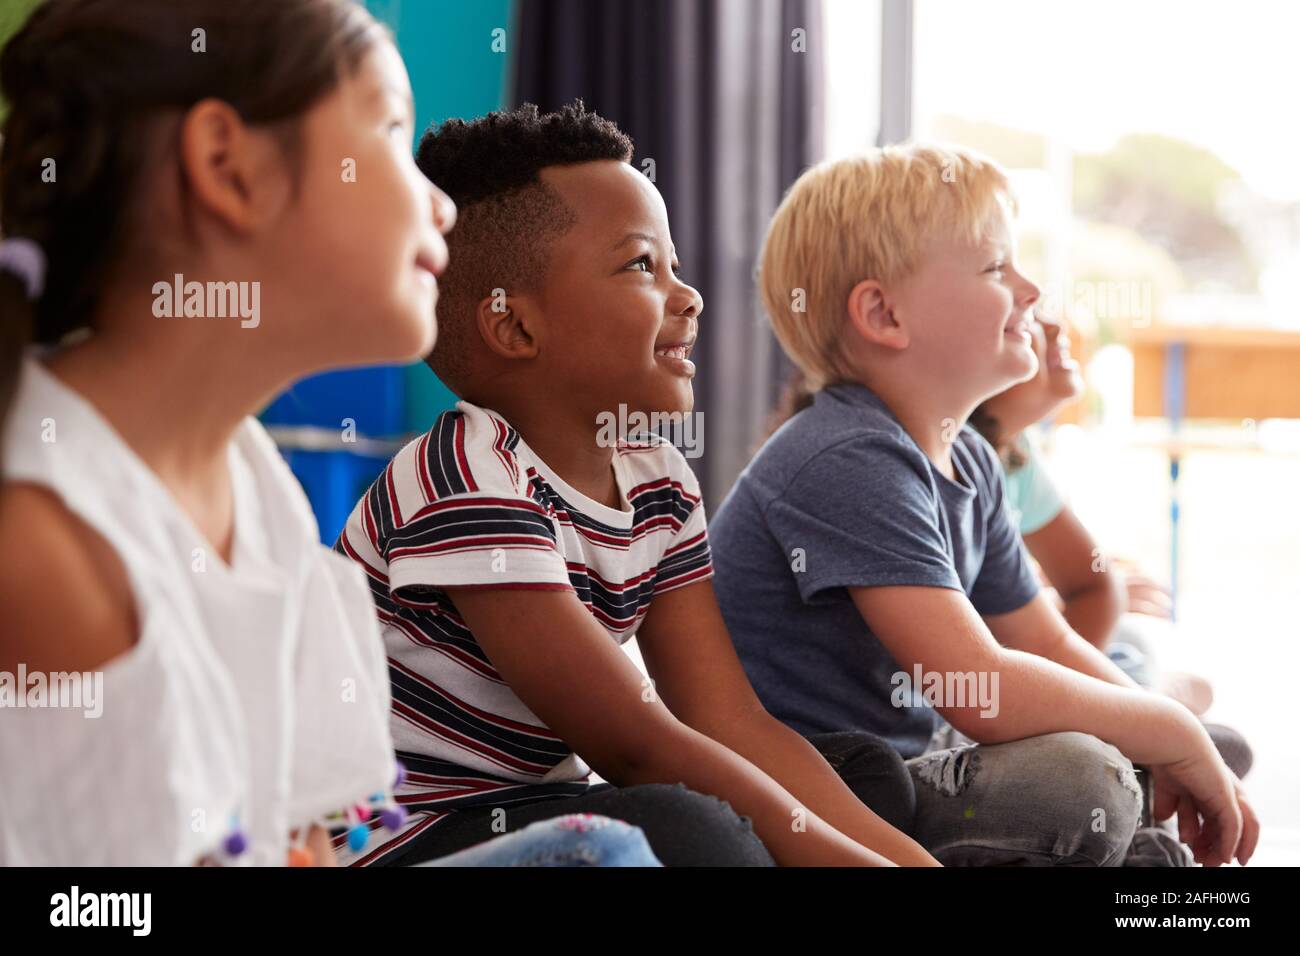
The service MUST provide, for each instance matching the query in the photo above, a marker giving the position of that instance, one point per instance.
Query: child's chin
(1008, 373)
(673, 398)
(683, 402)
(413, 338)
(1022, 364)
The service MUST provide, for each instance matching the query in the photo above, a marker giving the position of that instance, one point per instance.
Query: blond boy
(865, 563)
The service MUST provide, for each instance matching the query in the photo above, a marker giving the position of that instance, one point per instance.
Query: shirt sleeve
(687, 558)
(1006, 580)
(863, 513)
(453, 509)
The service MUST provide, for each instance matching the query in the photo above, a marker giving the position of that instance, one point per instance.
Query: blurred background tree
(1146, 214)
(1170, 192)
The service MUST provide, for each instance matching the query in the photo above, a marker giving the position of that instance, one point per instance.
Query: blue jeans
(577, 839)
(682, 827)
(1064, 799)
(1061, 799)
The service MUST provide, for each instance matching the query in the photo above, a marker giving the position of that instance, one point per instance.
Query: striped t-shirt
(469, 504)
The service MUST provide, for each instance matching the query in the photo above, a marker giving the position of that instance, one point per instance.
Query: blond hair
(865, 217)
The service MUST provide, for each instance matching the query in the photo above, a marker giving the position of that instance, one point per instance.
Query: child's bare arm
(1093, 594)
(566, 669)
(938, 629)
(689, 655)
(322, 851)
(1038, 628)
(56, 554)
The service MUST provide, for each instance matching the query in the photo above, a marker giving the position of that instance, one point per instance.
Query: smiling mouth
(677, 357)
(1021, 324)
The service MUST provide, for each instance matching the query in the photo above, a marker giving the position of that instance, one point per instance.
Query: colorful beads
(357, 837)
(236, 841)
(355, 819)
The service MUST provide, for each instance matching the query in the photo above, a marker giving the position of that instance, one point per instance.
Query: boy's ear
(873, 317)
(231, 172)
(505, 324)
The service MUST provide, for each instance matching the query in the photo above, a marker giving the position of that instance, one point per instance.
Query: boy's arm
(696, 672)
(938, 629)
(1094, 596)
(1038, 628)
(565, 668)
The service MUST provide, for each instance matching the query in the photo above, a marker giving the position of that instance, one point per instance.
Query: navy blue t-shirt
(840, 497)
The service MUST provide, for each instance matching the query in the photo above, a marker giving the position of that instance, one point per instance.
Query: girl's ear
(505, 324)
(872, 315)
(232, 174)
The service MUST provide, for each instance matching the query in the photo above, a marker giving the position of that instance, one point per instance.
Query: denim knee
(845, 747)
(874, 771)
(1106, 798)
(702, 828)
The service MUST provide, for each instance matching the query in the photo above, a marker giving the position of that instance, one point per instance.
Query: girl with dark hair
(202, 201)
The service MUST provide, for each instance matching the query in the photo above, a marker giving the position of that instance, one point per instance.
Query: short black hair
(507, 217)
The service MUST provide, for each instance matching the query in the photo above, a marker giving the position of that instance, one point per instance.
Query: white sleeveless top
(256, 692)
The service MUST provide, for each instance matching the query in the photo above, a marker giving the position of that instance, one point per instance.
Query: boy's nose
(1029, 293)
(693, 305)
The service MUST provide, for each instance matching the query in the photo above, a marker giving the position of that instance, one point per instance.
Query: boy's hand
(1214, 817)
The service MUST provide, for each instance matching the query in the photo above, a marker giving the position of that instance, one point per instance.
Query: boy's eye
(996, 267)
(646, 264)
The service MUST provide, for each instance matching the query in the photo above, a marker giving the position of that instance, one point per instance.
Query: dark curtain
(726, 97)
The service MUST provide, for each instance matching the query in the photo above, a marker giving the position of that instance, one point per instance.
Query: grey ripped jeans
(1064, 799)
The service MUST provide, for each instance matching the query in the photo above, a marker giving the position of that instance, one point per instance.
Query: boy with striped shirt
(510, 551)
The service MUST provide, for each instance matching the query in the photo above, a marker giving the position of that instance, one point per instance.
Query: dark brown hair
(86, 82)
(1006, 447)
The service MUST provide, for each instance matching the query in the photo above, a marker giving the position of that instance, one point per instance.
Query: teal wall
(447, 46)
